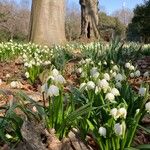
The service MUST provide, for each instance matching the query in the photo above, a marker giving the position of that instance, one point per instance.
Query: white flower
(113, 113)
(110, 97)
(88, 60)
(59, 79)
(118, 85)
(132, 75)
(119, 77)
(127, 65)
(102, 131)
(26, 64)
(53, 91)
(55, 72)
(137, 111)
(7, 75)
(137, 73)
(13, 84)
(8, 136)
(106, 76)
(82, 85)
(105, 63)
(142, 91)
(83, 74)
(27, 74)
(94, 73)
(100, 63)
(44, 88)
(146, 74)
(79, 70)
(114, 74)
(118, 129)
(115, 68)
(131, 67)
(97, 89)
(90, 85)
(103, 84)
(112, 62)
(122, 112)
(147, 107)
(115, 92)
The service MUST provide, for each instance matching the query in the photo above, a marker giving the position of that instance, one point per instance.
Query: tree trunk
(89, 19)
(47, 22)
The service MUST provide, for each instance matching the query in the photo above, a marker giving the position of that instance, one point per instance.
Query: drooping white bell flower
(53, 91)
(132, 75)
(122, 112)
(82, 85)
(131, 67)
(115, 67)
(142, 91)
(118, 129)
(102, 131)
(146, 74)
(137, 73)
(106, 76)
(55, 72)
(103, 84)
(115, 92)
(127, 65)
(93, 71)
(79, 70)
(59, 79)
(119, 77)
(118, 85)
(110, 97)
(113, 113)
(147, 107)
(27, 75)
(90, 85)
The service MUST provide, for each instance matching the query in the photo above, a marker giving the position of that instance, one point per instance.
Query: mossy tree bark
(89, 19)
(47, 22)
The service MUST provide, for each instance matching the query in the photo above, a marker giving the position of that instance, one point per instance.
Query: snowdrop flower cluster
(129, 66)
(54, 88)
(56, 77)
(90, 85)
(137, 73)
(118, 113)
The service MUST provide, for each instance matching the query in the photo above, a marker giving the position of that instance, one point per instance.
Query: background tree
(72, 22)
(14, 21)
(139, 29)
(89, 18)
(124, 15)
(47, 23)
(110, 27)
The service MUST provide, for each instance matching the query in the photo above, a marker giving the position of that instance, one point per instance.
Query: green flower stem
(133, 131)
(113, 144)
